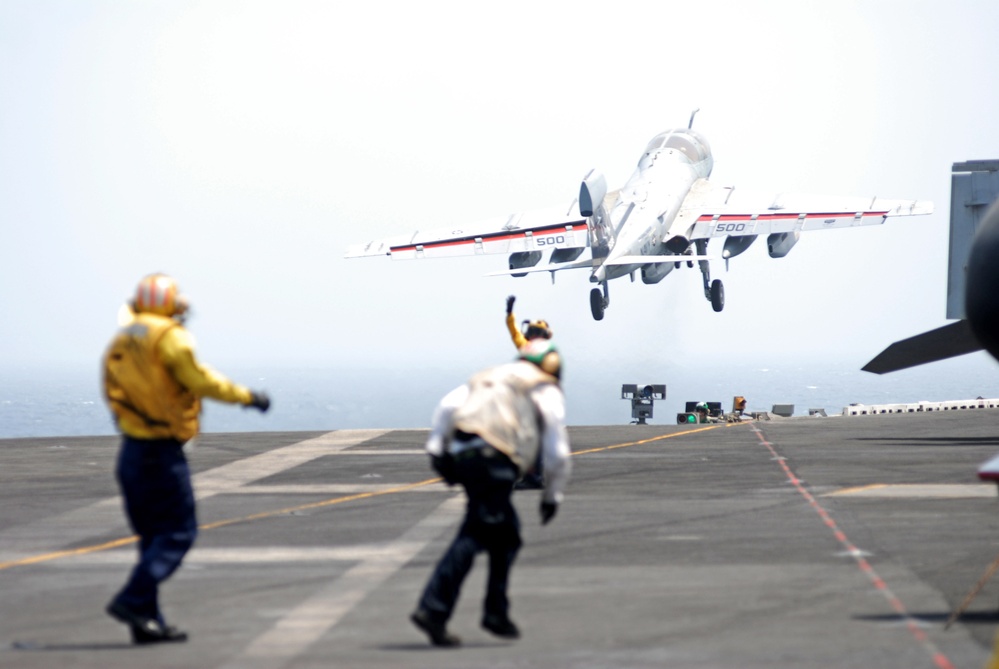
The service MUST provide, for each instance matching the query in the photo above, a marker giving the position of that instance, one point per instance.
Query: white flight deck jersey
(517, 409)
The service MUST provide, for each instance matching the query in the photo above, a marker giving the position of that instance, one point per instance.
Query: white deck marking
(387, 451)
(106, 515)
(330, 488)
(307, 622)
(241, 472)
(234, 556)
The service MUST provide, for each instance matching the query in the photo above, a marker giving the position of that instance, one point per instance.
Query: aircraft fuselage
(639, 220)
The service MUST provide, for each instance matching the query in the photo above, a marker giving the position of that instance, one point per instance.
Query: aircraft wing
(537, 230)
(710, 211)
(944, 342)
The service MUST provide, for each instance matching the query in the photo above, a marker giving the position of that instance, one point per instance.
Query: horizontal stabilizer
(589, 263)
(654, 260)
(945, 342)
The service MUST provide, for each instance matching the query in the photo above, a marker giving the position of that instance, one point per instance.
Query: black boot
(435, 630)
(501, 626)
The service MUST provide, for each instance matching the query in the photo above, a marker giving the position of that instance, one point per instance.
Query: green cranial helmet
(542, 352)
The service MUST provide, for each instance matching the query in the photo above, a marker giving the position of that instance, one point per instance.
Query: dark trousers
(490, 525)
(159, 501)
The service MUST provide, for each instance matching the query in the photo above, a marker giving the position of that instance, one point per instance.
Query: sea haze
(53, 403)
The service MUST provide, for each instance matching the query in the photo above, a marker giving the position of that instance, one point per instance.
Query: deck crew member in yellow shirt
(153, 385)
(529, 331)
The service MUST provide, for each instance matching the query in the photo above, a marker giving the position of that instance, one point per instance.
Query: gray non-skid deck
(811, 542)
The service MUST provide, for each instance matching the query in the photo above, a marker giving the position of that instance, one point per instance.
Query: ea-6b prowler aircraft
(663, 217)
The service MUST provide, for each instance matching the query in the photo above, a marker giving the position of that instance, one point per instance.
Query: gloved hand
(509, 304)
(260, 400)
(548, 510)
(445, 466)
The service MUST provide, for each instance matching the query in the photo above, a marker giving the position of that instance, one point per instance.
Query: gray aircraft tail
(945, 342)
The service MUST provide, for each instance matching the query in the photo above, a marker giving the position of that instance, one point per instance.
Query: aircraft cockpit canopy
(687, 142)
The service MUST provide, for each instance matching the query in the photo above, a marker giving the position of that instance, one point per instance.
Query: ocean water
(53, 403)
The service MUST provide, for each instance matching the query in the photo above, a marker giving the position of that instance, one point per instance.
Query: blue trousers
(491, 525)
(159, 501)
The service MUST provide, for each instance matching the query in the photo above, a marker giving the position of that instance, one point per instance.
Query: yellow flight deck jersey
(518, 337)
(993, 662)
(153, 383)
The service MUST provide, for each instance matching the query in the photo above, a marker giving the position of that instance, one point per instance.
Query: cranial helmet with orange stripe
(536, 329)
(158, 294)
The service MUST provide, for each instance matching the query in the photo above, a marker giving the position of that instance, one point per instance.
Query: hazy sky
(242, 146)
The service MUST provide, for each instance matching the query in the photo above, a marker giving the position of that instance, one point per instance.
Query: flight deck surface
(806, 542)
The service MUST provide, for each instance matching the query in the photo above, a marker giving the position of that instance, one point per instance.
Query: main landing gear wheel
(717, 295)
(597, 304)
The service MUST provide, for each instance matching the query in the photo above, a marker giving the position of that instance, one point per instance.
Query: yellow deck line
(856, 489)
(124, 541)
(117, 543)
(651, 439)
(917, 491)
